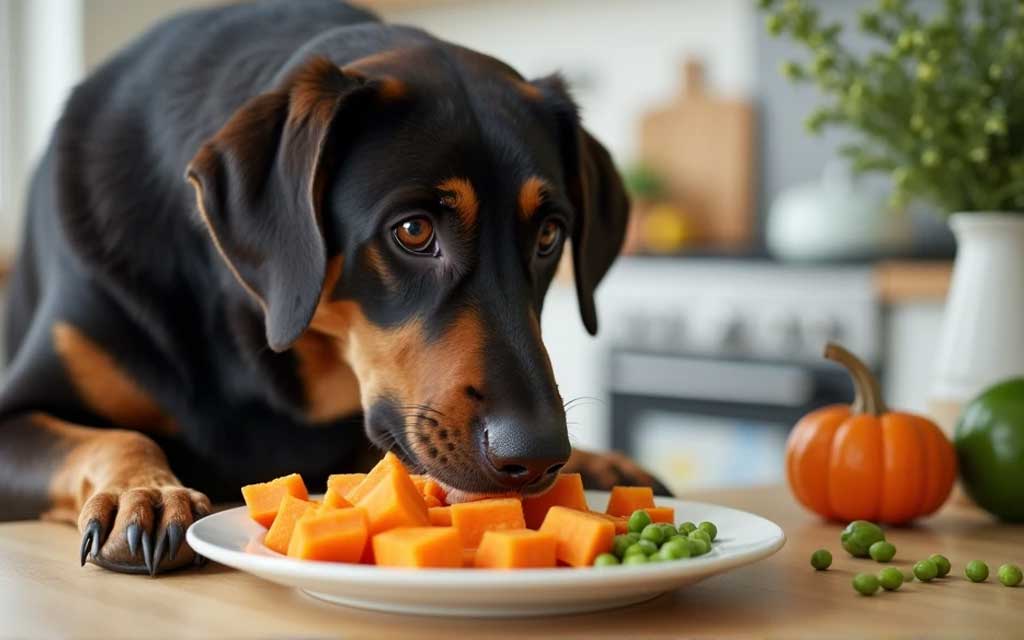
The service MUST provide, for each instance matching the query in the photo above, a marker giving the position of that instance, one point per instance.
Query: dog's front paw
(141, 529)
(605, 470)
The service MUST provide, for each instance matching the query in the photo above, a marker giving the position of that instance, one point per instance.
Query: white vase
(982, 338)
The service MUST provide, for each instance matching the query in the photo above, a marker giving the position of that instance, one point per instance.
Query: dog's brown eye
(547, 241)
(416, 235)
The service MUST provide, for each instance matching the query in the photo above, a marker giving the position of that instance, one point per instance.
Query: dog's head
(413, 206)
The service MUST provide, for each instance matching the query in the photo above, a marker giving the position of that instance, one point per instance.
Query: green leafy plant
(939, 101)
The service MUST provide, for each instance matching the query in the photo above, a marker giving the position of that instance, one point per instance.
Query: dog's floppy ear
(597, 194)
(259, 186)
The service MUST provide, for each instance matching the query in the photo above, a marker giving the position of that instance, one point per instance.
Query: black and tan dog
(261, 226)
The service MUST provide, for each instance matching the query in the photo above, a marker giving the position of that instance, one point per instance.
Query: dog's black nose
(522, 453)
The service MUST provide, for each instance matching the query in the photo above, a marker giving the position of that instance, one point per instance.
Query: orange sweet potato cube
(334, 499)
(468, 558)
(567, 491)
(334, 535)
(342, 483)
(264, 498)
(387, 464)
(429, 487)
(418, 547)
(394, 502)
(662, 514)
(580, 536)
(621, 523)
(516, 549)
(625, 500)
(472, 519)
(440, 516)
(288, 513)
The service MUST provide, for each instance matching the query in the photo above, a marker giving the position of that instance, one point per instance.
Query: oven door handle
(684, 378)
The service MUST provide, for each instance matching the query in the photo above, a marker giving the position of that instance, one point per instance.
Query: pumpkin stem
(868, 395)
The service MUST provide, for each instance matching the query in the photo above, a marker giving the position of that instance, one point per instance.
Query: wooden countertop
(907, 281)
(43, 593)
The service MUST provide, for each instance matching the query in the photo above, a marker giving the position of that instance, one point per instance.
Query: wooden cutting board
(703, 147)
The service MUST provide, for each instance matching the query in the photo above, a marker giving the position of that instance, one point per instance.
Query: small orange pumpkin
(864, 462)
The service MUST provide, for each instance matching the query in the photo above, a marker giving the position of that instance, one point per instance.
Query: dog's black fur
(308, 131)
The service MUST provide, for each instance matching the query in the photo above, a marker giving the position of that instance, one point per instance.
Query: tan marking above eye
(531, 196)
(460, 196)
(104, 387)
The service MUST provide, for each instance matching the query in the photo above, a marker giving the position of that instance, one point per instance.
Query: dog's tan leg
(114, 484)
(605, 470)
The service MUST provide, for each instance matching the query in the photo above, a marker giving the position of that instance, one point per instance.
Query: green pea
(667, 531)
(660, 556)
(686, 527)
(648, 547)
(638, 521)
(865, 584)
(620, 543)
(890, 578)
(635, 558)
(858, 537)
(634, 549)
(700, 534)
(710, 529)
(1010, 575)
(925, 570)
(653, 533)
(821, 559)
(882, 551)
(674, 536)
(605, 560)
(698, 546)
(941, 563)
(976, 571)
(677, 547)
(633, 536)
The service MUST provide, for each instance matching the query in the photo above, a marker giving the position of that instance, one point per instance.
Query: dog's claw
(147, 552)
(133, 534)
(90, 541)
(175, 536)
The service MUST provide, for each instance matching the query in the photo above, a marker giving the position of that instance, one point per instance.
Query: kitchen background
(752, 245)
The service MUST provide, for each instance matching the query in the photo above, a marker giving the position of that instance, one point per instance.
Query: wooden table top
(43, 593)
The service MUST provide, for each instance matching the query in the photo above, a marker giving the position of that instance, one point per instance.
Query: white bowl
(233, 539)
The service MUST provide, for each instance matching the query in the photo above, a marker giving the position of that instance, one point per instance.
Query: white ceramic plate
(231, 538)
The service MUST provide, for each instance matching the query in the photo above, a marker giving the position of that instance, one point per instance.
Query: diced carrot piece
(472, 519)
(440, 516)
(387, 464)
(516, 549)
(662, 514)
(567, 491)
(621, 524)
(288, 513)
(342, 483)
(581, 536)
(335, 499)
(418, 547)
(394, 502)
(468, 558)
(625, 500)
(431, 501)
(335, 535)
(264, 498)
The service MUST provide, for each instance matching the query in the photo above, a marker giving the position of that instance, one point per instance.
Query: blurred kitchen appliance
(711, 362)
(703, 147)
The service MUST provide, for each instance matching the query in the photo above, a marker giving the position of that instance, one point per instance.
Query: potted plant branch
(938, 105)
